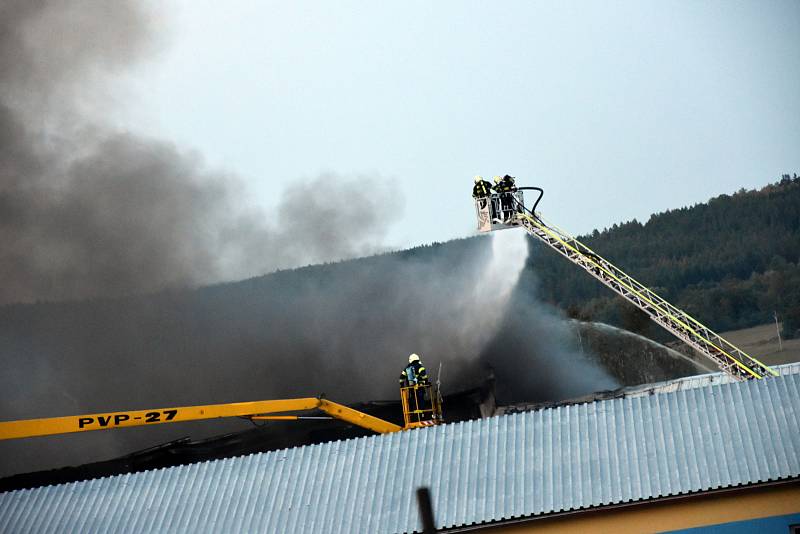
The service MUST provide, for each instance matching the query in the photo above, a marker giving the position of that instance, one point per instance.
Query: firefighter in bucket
(414, 388)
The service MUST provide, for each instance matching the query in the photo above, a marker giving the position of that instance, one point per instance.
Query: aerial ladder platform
(508, 210)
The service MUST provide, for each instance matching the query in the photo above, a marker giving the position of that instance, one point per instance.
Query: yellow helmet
(478, 179)
(497, 179)
(413, 358)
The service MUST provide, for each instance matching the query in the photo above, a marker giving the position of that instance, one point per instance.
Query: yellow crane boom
(256, 410)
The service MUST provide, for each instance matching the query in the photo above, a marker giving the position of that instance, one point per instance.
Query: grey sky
(617, 109)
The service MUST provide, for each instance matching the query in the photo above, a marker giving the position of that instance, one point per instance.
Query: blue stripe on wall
(767, 525)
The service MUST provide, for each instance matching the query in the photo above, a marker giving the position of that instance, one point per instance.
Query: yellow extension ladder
(732, 360)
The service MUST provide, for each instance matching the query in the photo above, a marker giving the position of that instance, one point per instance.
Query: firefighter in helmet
(505, 187)
(507, 184)
(415, 375)
(482, 193)
(482, 188)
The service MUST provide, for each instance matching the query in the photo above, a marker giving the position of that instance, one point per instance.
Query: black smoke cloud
(342, 329)
(86, 210)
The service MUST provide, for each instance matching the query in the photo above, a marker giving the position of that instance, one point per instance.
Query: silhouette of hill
(730, 262)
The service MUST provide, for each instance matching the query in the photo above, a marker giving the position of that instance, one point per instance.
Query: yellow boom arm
(257, 410)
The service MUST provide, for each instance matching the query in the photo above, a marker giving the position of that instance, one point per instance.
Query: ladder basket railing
(422, 405)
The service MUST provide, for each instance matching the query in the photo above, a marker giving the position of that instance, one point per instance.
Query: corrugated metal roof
(690, 382)
(667, 386)
(519, 465)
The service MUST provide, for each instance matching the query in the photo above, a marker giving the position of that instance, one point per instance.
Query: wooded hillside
(731, 262)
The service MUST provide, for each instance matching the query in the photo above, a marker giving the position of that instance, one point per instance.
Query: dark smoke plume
(86, 210)
(342, 329)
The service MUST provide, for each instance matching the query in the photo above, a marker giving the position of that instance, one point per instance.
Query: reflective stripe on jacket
(482, 189)
(413, 374)
(506, 185)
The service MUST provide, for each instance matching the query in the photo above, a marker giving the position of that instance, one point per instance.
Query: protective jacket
(414, 374)
(506, 185)
(482, 189)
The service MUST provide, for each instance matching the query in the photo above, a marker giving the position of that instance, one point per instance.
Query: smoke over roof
(345, 330)
(88, 210)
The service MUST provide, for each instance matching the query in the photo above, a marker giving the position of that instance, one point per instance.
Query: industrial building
(699, 452)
